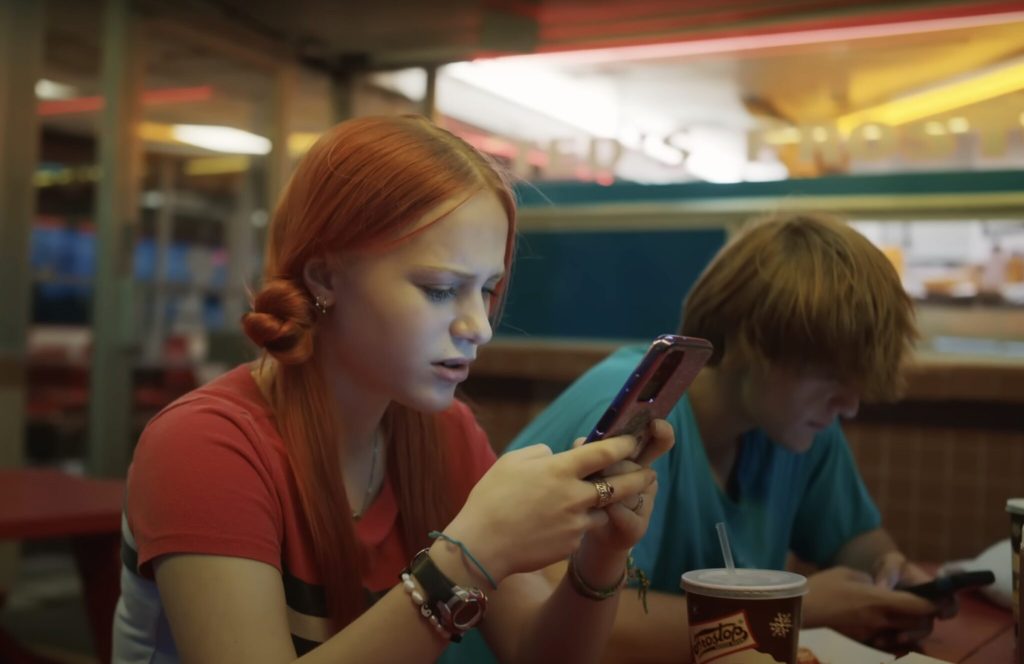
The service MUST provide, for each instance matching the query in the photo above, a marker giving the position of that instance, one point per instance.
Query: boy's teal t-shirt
(780, 501)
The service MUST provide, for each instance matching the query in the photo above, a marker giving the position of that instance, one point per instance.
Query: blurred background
(143, 145)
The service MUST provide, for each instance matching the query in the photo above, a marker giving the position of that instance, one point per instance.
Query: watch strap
(436, 586)
(445, 599)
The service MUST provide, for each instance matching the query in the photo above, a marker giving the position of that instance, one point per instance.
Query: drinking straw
(723, 539)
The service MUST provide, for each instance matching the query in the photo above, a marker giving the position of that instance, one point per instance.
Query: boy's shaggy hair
(806, 290)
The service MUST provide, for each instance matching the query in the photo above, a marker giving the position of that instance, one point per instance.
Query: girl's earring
(320, 302)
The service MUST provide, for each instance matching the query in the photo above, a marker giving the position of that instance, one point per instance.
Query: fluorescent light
(410, 82)
(221, 139)
(935, 128)
(592, 107)
(157, 132)
(959, 125)
(987, 84)
(871, 132)
(718, 155)
(47, 89)
(589, 105)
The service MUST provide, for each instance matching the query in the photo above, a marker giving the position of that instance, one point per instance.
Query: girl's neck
(362, 446)
(721, 420)
(357, 415)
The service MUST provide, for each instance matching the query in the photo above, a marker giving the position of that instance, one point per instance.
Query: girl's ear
(316, 274)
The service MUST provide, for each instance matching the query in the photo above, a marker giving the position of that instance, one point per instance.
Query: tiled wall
(942, 490)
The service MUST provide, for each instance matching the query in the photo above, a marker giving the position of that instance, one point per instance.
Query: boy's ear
(316, 274)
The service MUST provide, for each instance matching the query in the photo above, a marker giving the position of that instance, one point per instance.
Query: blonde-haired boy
(807, 317)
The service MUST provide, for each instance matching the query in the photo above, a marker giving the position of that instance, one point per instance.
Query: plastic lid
(1015, 505)
(744, 583)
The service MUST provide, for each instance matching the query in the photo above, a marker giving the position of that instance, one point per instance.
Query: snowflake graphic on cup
(781, 624)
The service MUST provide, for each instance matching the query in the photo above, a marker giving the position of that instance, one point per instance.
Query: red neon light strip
(724, 22)
(748, 41)
(149, 98)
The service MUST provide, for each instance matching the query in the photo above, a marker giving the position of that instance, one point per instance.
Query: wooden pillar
(22, 32)
(279, 160)
(115, 323)
(21, 55)
(343, 93)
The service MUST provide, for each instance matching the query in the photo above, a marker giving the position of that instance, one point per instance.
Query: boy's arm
(865, 550)
(876, 553)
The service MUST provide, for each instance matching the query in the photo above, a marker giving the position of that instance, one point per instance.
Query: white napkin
(829, 645)
(918, 658)
(997, 559)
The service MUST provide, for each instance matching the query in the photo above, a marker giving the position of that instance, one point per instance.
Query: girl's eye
(438, 294)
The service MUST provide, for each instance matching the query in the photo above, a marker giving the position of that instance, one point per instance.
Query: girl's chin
(432, 403)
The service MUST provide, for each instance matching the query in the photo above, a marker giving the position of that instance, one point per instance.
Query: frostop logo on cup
(721, 637)
(743, 616)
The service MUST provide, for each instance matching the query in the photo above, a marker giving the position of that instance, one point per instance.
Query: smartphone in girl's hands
(653, 388)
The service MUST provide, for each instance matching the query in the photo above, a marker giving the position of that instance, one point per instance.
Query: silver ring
(639, 504)
(605, 492)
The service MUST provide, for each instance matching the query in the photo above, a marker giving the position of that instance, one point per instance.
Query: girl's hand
(628, 519)
(533, 507)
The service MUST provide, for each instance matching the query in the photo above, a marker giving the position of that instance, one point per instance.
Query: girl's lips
(454, 373)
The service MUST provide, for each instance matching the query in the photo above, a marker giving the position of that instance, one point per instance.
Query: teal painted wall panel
(604, 285)
(541, 194)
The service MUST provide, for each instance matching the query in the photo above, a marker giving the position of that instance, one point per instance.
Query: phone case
(653, 388)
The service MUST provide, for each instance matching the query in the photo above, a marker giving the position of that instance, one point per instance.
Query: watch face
(466, 608)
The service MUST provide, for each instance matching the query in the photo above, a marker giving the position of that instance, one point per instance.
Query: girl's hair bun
(281, 321)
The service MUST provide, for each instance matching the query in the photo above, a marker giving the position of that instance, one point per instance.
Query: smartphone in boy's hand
(944, 587)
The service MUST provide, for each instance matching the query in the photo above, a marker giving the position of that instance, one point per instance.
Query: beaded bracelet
(417, 598)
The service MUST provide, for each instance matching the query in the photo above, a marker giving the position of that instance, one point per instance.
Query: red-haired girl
(333, 501)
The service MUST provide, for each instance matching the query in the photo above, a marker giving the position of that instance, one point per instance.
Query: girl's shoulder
(232, 394)
(228, 411)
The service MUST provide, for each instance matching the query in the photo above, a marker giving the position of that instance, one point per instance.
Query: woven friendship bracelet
(436, 534)
(588, 591)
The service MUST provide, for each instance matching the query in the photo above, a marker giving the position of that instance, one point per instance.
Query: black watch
(458, 609)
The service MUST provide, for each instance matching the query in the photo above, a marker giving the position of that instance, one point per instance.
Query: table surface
(980, 633)
(45, 502)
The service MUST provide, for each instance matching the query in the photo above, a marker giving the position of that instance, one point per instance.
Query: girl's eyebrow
(460, 273)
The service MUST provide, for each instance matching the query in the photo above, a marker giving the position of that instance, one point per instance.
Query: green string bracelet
(436, 534)
(643, 582)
